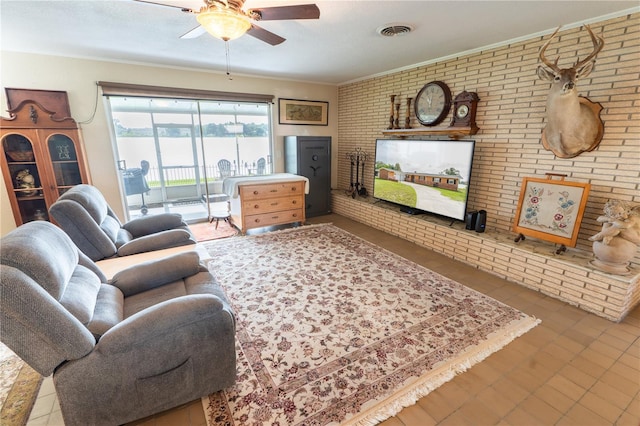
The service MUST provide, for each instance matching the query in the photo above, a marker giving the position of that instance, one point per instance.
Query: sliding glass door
(179, 169)
(184, 143)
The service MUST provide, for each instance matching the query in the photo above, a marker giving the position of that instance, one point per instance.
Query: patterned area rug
(19, 385)
(335, 330)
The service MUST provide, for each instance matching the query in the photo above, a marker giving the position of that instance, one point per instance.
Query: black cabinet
(310, 156)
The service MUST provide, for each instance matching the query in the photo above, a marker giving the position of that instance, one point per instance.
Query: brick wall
(511, 116)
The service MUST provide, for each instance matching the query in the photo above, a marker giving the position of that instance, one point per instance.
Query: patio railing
(186, 175)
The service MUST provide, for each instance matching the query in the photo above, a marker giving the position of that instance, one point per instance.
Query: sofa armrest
(146, 225)
(159, 322)
(154, 273)
(157, 241)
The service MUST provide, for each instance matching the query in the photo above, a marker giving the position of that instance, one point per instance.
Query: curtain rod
(139, 90)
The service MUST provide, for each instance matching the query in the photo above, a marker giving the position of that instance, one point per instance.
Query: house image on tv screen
(434, 180)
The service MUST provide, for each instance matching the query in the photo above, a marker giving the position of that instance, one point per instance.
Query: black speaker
(470, 223)
(481, 221)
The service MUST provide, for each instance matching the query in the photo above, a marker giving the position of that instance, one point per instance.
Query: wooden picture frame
(551, 210)
(297, 111)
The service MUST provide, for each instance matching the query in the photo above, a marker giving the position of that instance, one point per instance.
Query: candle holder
(396, 123)
(407, 120)
(393, 98)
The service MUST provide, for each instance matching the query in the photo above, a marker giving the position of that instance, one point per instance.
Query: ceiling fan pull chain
(226, 52)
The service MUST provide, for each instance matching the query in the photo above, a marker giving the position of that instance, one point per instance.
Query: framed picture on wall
(551, 210)
(295, 111)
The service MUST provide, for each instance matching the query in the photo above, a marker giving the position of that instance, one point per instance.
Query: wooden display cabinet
(42, 157)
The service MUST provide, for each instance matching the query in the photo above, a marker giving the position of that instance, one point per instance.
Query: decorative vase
(615, 256)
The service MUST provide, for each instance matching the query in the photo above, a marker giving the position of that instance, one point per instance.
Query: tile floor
(573, 369)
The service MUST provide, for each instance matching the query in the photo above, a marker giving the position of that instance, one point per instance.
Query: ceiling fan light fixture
(224, 24)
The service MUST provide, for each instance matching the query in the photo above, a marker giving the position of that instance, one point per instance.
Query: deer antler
(598, 44)
(553, 66)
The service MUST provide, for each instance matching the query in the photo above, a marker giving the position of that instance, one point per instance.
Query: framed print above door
(297, 111)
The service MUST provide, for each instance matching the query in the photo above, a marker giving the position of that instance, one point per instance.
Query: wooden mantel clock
(465, 106)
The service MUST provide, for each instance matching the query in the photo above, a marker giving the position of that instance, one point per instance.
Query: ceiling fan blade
(194, 33)
(184, 9)
(264, 35)
(302, 11)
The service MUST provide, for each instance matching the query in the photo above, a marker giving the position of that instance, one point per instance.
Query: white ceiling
(341, 46)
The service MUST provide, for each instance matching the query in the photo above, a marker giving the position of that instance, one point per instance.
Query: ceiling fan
(226, 19)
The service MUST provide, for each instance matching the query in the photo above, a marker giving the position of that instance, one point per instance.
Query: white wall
(78, 78)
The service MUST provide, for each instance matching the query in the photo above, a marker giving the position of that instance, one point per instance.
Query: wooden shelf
(452, 132)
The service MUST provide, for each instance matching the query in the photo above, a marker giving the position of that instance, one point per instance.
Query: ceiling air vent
(394, 30)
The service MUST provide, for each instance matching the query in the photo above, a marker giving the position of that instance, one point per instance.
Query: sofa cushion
(111, 227)
(139, 302)
(81, 293)
(123, 237)
(108, 312)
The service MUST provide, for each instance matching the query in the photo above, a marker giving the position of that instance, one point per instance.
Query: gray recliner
(83, 213)
(160, 334)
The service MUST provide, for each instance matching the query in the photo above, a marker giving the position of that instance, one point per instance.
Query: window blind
(138, 90)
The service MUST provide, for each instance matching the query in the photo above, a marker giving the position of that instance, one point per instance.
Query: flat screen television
(424, 175)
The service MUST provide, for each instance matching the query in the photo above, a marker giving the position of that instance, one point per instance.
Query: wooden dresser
(268, 203)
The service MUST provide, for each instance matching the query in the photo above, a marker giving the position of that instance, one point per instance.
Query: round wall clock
(432, 103)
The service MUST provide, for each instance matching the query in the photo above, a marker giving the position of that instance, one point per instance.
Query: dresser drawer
(275, 218)
(269, 205)
(271, 190)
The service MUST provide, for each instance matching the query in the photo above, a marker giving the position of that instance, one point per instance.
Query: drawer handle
(294, 202)
(274, 190)
(256, 220)
(294, 215)
(256, 206)
(275, 217)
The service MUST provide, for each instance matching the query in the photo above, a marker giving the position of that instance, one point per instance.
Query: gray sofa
(83, 213)
(160, 334)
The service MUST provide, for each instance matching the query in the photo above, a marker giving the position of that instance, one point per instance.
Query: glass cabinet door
(64, 160)
(25, 177)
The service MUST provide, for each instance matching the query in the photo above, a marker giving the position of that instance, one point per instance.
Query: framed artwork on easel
(551, 209)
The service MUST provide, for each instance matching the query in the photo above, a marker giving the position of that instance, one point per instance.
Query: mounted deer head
(573, 122)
